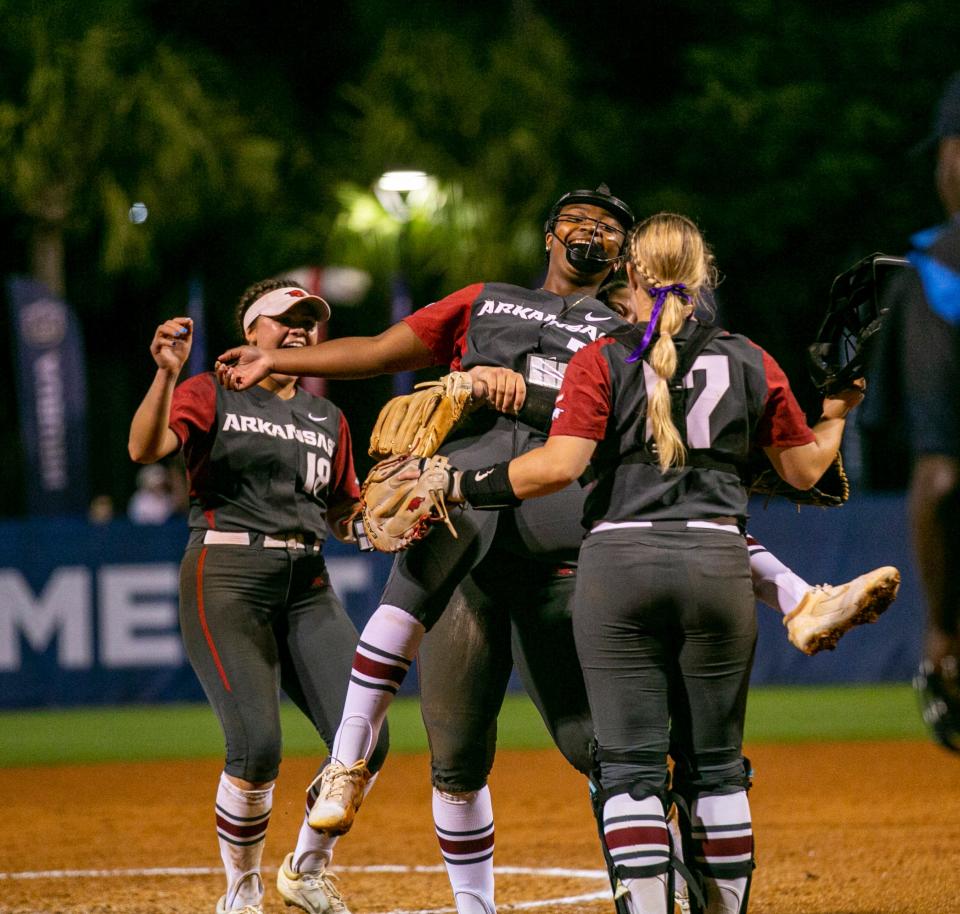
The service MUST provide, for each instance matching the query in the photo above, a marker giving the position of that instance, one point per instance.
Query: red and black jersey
(499, 324)
(735, 397)
(259, 463)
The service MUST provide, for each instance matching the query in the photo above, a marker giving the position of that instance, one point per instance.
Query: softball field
(842, 828)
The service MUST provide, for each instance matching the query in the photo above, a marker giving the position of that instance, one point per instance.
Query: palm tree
(112, 117)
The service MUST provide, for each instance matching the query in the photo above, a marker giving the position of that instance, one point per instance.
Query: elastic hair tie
(660, 293)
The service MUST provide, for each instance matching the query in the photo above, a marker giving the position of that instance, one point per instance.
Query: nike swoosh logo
(316, 418)
(482, 475)
(589, 316)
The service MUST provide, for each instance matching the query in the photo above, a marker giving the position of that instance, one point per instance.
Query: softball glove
(831, 491)
(402, 498)
(416, 424)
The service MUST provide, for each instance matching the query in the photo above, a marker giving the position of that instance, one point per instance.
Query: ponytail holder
(660, 293)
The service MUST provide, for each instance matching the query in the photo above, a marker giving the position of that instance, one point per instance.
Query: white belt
(228, 538)
(695, 524)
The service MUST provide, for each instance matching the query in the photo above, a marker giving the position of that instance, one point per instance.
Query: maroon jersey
(499, 324)
(260, 463)
(735, 396)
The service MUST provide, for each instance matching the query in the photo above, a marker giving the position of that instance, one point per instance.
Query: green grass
(191, 731)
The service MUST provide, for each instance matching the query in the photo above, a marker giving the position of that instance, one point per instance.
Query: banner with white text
(88, 613)
(52, 397)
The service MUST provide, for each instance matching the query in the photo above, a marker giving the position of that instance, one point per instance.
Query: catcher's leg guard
(718, 837)
(637, 844)
(618, 889)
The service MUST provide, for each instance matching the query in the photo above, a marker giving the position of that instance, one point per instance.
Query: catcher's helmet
(854, 318)
(600, 197)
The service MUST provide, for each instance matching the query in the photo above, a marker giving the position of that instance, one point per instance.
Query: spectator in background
(100, 510)
(920, 377)
(153, 502)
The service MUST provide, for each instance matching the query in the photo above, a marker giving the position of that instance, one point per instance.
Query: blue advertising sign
(88, 613)
(52, 394)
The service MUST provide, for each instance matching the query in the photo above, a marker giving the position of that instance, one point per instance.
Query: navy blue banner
(88, 613)
(52, 393)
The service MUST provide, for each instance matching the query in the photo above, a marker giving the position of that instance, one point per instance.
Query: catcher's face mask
(854, 318)
(592, 226)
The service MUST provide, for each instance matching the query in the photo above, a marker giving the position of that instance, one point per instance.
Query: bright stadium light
(403, 181)
(402, 190)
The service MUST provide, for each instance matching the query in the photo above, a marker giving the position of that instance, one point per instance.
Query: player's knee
(258, 761)
(462, 749)
(640, 770)
(717, 777)
(459, 773)
(575, 741)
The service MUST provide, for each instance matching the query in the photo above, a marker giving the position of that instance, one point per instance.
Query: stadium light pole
(397, 192)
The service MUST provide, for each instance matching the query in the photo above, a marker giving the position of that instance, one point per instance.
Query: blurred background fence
(88, 612)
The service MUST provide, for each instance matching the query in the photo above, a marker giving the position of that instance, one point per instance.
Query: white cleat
(825, 613)
(314, 893)
(339, 797)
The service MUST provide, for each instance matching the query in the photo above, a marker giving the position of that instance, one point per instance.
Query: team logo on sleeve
(557, 409)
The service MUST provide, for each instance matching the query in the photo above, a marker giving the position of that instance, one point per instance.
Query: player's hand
(838, 404)
(242, 367)
(171, 344)
(503, 389)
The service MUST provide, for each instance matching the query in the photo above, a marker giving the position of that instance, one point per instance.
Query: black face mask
(588, 257)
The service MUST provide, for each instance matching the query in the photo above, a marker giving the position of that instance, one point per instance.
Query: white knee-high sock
(242, 819)
(387, 647)
(723, 838)
(774, 583)
(635, 833)
(314, 850)
(464, 824)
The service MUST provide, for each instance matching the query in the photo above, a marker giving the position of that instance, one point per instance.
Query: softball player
(270, 468)
(664, 615)
(502, 590)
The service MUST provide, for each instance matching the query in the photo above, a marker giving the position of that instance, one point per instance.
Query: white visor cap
(280, 301)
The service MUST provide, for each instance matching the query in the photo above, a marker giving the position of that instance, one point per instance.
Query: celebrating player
(502, 589)
(270, 470)
(664, 614)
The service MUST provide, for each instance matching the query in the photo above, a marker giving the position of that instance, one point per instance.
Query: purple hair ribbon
(660, 293)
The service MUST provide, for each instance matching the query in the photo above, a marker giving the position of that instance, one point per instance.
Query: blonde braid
(667, 249)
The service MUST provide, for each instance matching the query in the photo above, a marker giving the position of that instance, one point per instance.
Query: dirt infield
(852, 828)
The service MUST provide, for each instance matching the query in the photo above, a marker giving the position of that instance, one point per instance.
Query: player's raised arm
(151, 438)
(802, 466)
(396, 349)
